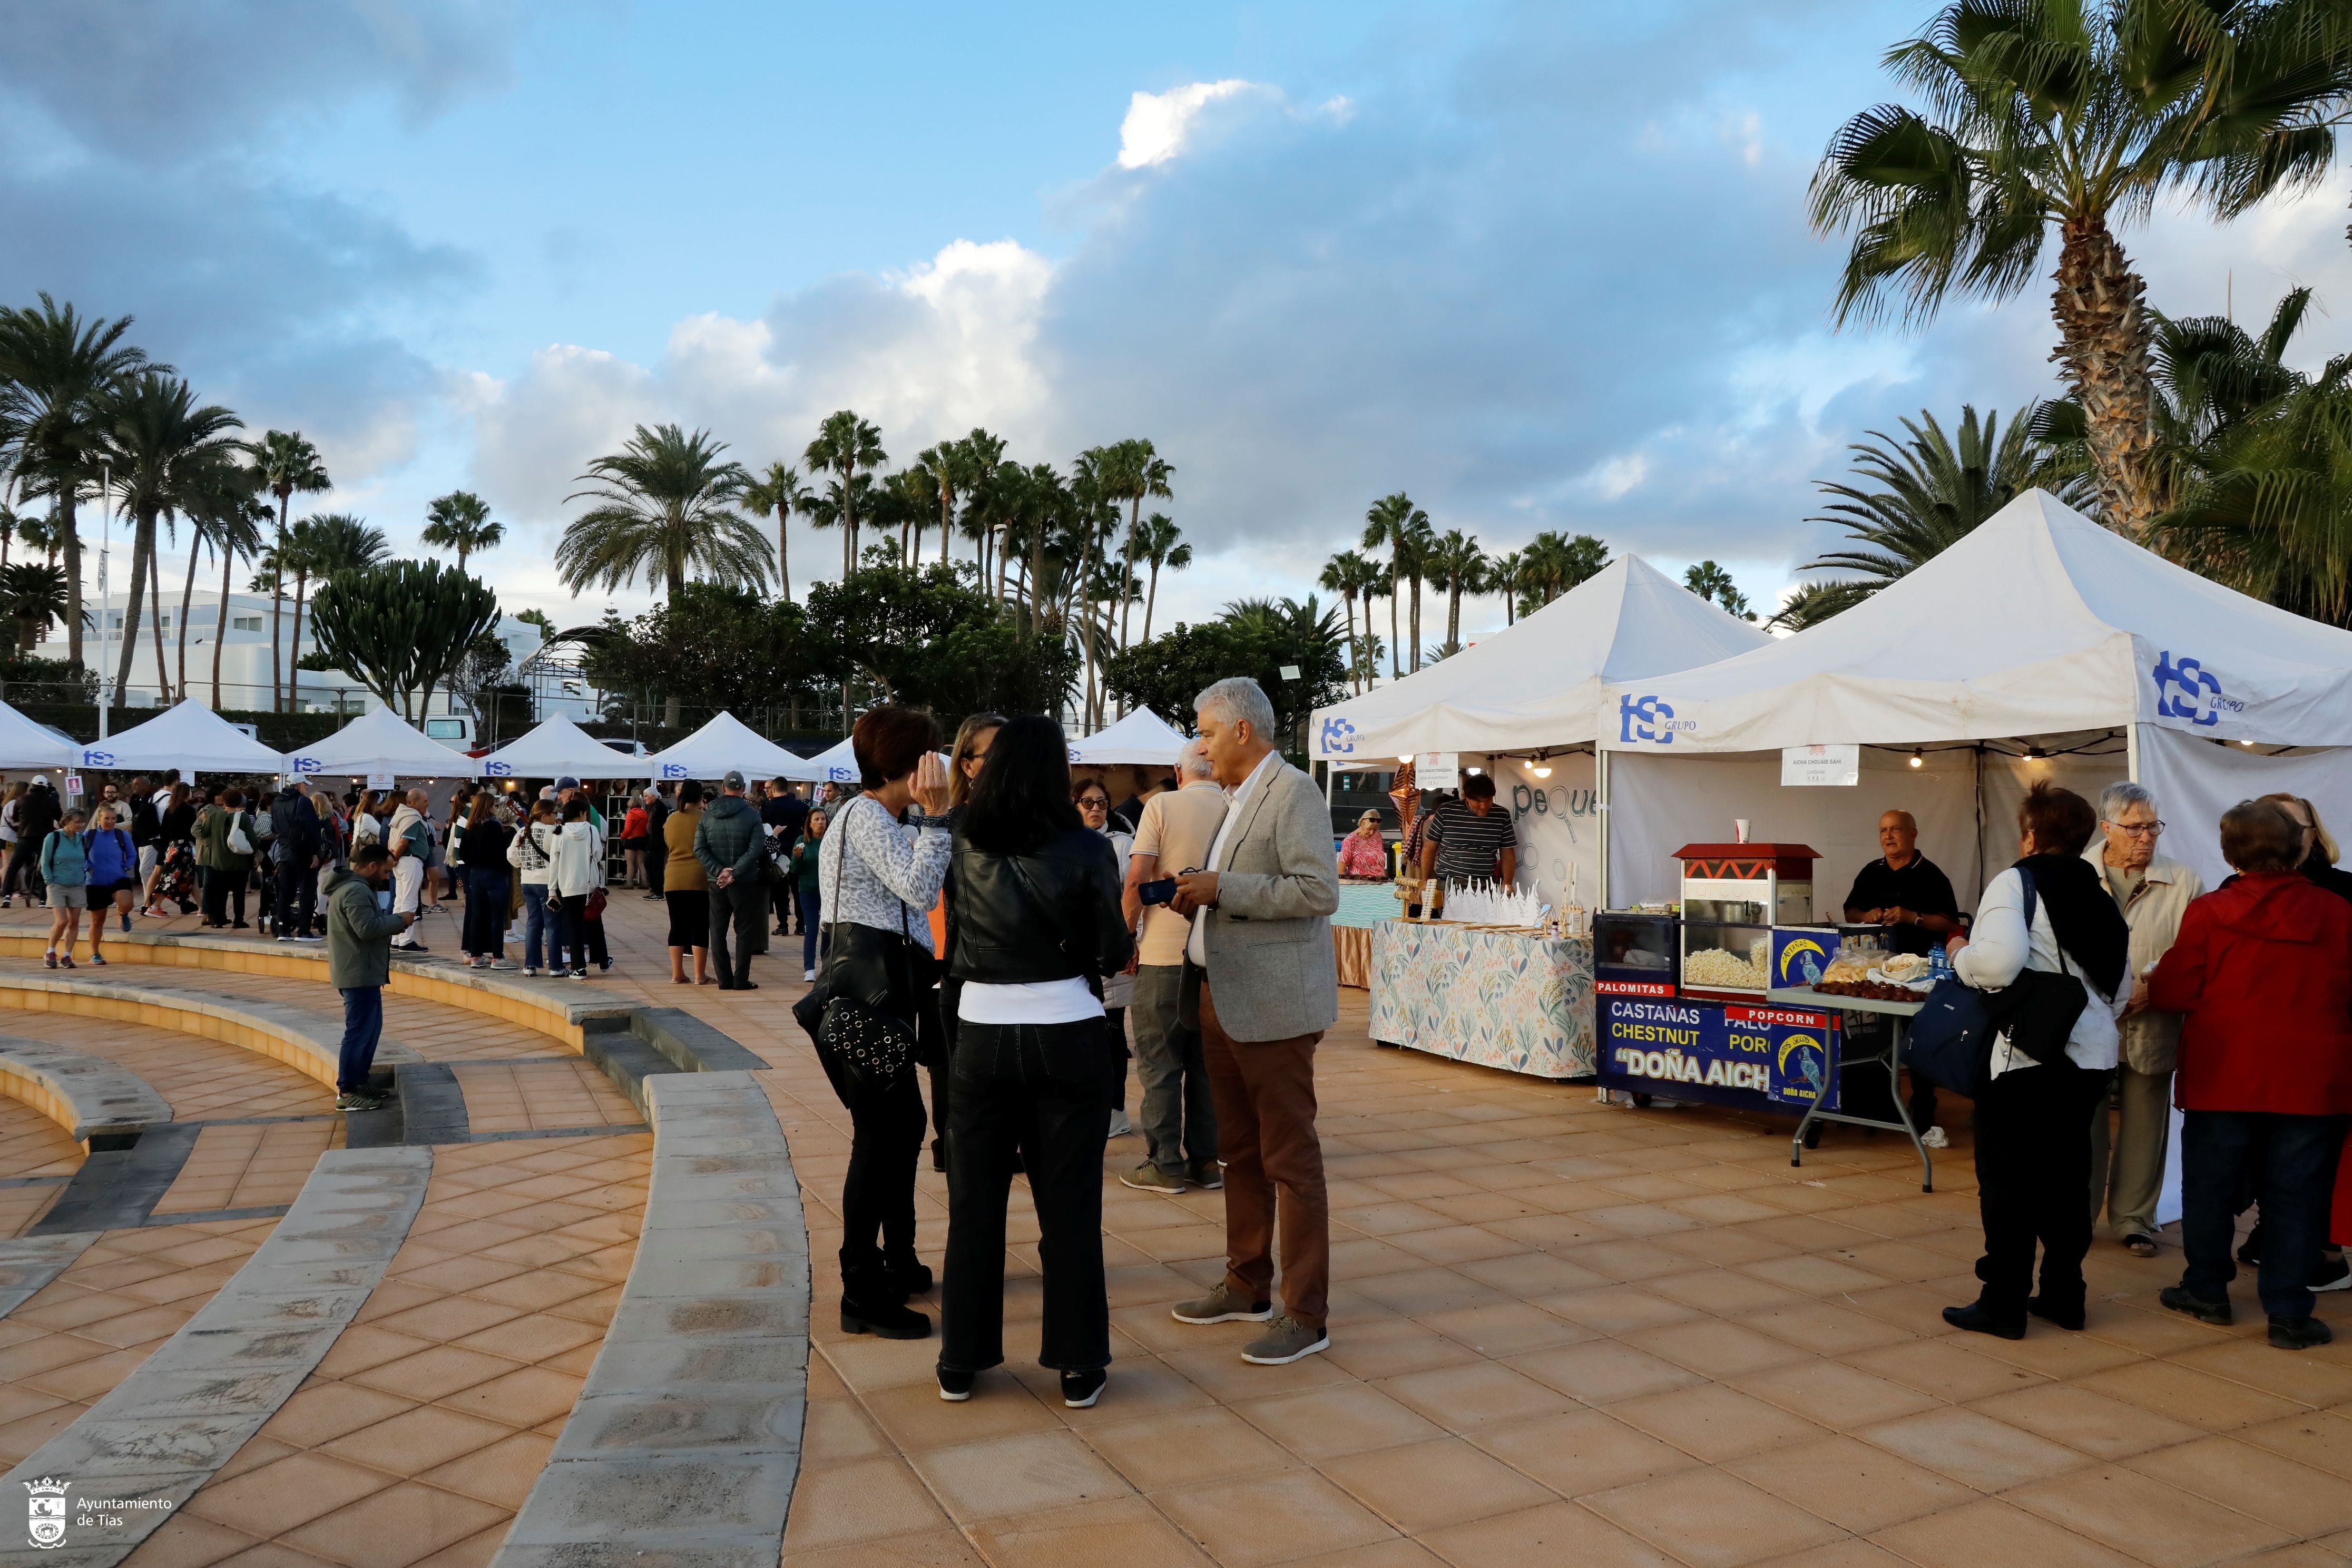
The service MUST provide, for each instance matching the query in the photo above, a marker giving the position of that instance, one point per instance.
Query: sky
(1539, 266)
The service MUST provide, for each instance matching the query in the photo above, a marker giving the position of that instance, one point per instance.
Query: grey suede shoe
(1286, 1340)
(1221, 1306)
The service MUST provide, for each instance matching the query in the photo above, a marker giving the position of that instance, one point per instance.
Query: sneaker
(1081, 1389)
(126, 923)
(1934, 1138)
(99, 959)
(358, 1102)
(2178, 1298)
(1146, 1178)
(808, 976)
(1221, 1306)
(2333, 1274)
(2287, 1334)
(1119, 1124)
(955, 1387)
(1286, 1340)
(49, 959)
(579, 975)
(1209, 1175)
(306, 936)
(504, 966)
(65, 961)
(414, 950)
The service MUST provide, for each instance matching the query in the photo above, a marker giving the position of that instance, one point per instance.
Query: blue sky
(1540, 266)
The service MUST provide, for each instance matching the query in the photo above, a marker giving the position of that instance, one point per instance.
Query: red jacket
(637, 825)
(2263, 970)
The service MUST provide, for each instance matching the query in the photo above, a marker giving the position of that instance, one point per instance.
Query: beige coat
(2151, 1040)
(1271, 965)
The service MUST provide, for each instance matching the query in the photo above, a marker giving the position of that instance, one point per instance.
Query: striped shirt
(1469, 845)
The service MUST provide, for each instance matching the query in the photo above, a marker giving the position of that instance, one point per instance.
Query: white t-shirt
(1040, 1002)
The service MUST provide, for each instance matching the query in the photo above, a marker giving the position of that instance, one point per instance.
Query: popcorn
(1715, 969)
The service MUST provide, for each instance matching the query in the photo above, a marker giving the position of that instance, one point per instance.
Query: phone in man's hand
(1158, 893)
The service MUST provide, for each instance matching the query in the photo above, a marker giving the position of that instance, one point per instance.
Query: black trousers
(298, 898)
(877, 1192)
(2033, 1164)
(220, 889)
(1036, 1089)
(584, 939)
(734, 909)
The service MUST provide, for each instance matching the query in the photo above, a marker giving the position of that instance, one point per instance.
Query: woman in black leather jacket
(1035, 909)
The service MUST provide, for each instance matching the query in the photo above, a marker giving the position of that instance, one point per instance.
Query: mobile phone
(1158, 893)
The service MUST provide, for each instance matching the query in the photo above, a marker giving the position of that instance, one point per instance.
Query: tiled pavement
(1562, 1332)
(35, 1156)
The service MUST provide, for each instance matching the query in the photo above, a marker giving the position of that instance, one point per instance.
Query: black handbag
(857, 1012)
(1950, 1042)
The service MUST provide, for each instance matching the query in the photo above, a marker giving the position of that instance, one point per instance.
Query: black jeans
(877, 1192)
(485, 912)
(2290, 1160)
(297, 896)
(734, 908)
(584, 939)
(2033, 1164)
(1034, 1089)
(220, 888)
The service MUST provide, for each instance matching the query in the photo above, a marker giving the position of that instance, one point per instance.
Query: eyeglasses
(1093, 803)
(2139, 829)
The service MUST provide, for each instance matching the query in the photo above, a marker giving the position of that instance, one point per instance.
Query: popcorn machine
(1732, 897)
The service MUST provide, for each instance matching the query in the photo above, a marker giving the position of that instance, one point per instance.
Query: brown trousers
(1265, 1091)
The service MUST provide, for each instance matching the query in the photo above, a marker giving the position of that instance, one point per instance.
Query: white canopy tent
(559, 748)
(724, 743)
(190, 737)
(2039, 628)
(25, 744)
(1142, 739)
(380, 741)
(834, 764)
(1536, 685)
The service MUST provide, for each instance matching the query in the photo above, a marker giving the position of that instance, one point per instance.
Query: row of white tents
(194, 739)
(2040, 646)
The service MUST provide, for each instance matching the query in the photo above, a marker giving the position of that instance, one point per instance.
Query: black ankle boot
(2066, 1313)
(1979, 1319)
(873, 1307)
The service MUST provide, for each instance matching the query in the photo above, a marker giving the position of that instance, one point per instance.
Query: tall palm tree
(235, 532)
(461, 520)
(215, 495)
(1555, 565)
(1132, 472)
(319, 547)
(662, 507)
(1713, 584)
(838, 505)
(1162, 547)
(778, 493)
(32, 595)
(1348, 575)
(1415, 538)
(162, 442)
(286, 462)
(1386, 523)
(912, 500)
(2071, 115)
(1457, 566)
(978, 457)
(1505, 574)
(845, 446)
(56, 371)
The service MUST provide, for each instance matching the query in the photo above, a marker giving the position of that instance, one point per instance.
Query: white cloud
(1157, 123)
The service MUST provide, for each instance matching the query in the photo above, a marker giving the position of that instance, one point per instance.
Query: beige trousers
(2126, 1184)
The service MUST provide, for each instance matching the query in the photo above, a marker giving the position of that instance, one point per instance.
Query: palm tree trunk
(277, 610)
(187, 598)
(1416, 622)
(2103, 335)
(1150, 599)
(784, 552)
(155, 624)
(65, 534)
(1454, 615)
(1395, 573)
(946, 520)
(1348, 598)
(294, 648)
(220, 630)
(144, 530)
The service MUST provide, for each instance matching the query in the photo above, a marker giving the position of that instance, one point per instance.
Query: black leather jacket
(1053, 914)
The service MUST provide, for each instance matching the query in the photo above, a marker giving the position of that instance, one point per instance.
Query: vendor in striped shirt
(1471, 839)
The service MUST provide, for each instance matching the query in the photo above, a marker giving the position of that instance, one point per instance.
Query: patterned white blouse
(874, 870)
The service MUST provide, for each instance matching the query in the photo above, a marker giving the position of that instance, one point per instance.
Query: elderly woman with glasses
(1364, 854)
(2152, 892)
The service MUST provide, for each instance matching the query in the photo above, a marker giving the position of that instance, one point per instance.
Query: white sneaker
(809, 975)
(1934, 1139)
(1119, 1125)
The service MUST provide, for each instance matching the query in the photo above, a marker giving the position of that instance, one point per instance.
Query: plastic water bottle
(1940, 963)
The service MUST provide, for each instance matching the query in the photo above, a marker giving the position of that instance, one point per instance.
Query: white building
(245, 663)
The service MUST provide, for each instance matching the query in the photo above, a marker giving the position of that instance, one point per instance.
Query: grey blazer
(1269, 939)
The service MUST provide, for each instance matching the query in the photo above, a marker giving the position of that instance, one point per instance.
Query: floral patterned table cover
(1499, 999)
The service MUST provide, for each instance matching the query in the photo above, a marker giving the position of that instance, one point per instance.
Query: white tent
(380, 741)
(834, 764)
(1142, 739)
(723, 743)
(1538, 684)
(559, 748)
(190, 737)
(25, 744)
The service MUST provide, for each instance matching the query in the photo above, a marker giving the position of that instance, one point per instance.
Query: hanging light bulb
(1918, 758)
(1541, 771)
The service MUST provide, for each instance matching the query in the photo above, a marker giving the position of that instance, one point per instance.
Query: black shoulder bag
(858, 1011)
(1951, 1041)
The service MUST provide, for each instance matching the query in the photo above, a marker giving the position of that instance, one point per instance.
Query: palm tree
(218, 492)
(845, 446)
(662, 507)
(321, 546)
(234, 532)
(1926, 493)
(1132, 472)
(34, 595)
(1161, 546)
(1457, 565)
(1349, 576)
(978, 457)
(1555, 565)
(1713, 584)
(56, 371)
(1415, 538)
(459, 520)
(2055, 113)
(161, 441)
(286, 462)
(1504, 575)
(778, 493)
(839, 505)
(910, 500)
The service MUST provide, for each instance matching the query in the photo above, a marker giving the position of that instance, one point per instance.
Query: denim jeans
(582, 938)
(542, 923)
(809, 910)
(362, 1027)
(1179, 1115)
(2291, 1163)
(1035, 1089)
(2033, 1165)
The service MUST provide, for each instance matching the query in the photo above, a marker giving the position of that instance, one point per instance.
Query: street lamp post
(105, 621)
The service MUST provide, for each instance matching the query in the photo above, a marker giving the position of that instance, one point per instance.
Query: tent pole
(2131, 751)
(1601, 787)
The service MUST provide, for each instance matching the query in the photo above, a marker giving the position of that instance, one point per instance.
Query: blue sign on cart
(1771, 1058)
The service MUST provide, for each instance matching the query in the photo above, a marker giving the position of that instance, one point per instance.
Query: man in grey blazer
(1261, 908)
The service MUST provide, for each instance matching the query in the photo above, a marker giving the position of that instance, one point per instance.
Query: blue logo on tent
(1338, 736)
(498, 770)
(308, 765)
(98, 759)
(673, 770)
(2185, 688)
(1648, 719)
(841, 775)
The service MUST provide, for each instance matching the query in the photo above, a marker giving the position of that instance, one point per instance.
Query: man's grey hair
(1193, 761)
(1238, 700)
(2123, 793)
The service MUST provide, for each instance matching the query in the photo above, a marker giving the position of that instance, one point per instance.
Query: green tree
(928, 639)
(1393, 521)
(286, 462)
(845, 447)
(220, 503)
(32, 595)
(161, 442)
(663, 508)
(724, 647)
(1457, 566)
(1555, 565)
(402, 627)
(778, 493)
(2075, 115)
(1256, 637)
(1349, 576)
(1507, 575)
(542, 619)
(1162, 547)
(321, 546)
(1713, 584)
(461, 522)
(57, 373)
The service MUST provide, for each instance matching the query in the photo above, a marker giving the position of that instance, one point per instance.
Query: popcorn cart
(1732, 897)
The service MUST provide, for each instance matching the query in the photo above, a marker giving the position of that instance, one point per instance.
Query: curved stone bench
(27, 1264)
(685, 1445)
(188, 1407)
(99, 1103)
(308, 1042)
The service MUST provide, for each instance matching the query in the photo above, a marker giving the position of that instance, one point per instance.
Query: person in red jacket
(2263, 970)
